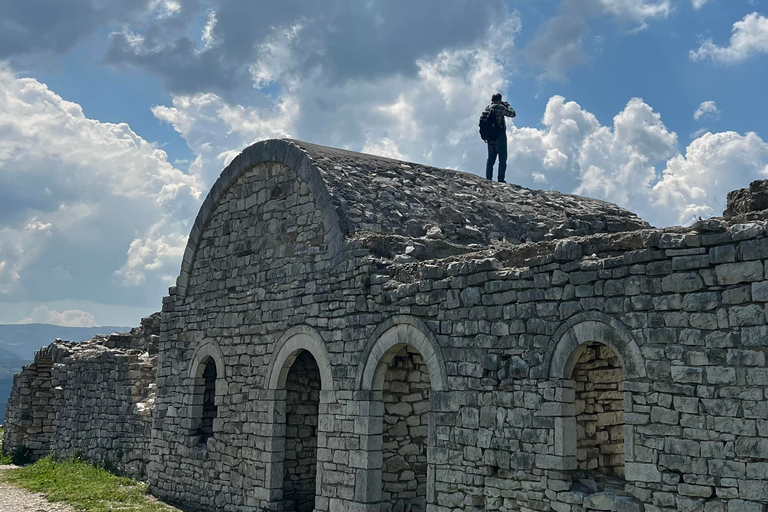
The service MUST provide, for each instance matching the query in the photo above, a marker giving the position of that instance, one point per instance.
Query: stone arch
(400, 330)
(292, 346)
(289, 346)
(591, 326)
(399, 346)
(203, 411)
(283, 151)
(208, 349)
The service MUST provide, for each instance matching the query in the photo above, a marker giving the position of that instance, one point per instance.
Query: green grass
(84, 486)
(4, 459)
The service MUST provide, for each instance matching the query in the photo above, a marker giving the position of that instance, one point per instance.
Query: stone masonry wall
(301, 413)
(29, 422)
(684, 310)
(406, 405)
(599, 387)
(98, 398)
(265, 235)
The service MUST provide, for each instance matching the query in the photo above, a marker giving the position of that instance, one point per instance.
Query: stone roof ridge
(361, 193)
(384, 195)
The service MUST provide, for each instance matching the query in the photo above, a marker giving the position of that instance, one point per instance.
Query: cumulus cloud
(342, 40)
(55, 27)
(67, 318)
(75, 193)
(706, 109)
(429, 117)
(635, 162)
(749, 37)
(559, 43)
(698, 4)
(161, 248)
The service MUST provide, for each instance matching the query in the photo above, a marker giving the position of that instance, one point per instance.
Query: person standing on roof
(493, 130)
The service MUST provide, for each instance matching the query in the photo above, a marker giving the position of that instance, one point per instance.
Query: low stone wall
(93, 399)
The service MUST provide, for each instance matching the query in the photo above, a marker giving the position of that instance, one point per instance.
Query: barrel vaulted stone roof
(363, 193)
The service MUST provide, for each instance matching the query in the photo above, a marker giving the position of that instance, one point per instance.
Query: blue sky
(116, 117)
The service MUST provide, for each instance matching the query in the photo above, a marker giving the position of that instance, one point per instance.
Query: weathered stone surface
(387, 336)
(93, 398)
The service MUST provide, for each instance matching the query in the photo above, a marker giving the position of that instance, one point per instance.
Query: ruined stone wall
(96, 398)
(685, 313)
(29, 422)
(500, 333)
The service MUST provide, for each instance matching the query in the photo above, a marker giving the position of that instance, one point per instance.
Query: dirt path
(13, 499)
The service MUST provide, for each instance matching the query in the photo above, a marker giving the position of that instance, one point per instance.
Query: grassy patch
(84, 486)
(4, 459)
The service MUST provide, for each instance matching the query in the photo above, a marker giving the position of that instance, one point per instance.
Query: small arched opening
(209, 409)
(299, 385)
(208, 387)
(594, 358)
(598, 385)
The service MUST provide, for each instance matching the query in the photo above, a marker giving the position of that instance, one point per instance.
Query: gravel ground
(13, 499)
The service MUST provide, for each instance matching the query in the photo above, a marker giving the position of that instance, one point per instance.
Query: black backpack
(488, 128)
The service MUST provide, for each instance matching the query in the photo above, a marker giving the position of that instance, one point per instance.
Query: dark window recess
(209, 400)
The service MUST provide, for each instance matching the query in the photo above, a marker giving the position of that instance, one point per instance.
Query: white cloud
(635, 163)
(706, 109)
(81, 191)
(430, 117)
(559, 43)
(749, 37)
(698, 4)
(67, 318)
(637, 10)
(162, 247)
(714, 164)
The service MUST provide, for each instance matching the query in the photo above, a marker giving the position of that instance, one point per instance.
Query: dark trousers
(496, 148)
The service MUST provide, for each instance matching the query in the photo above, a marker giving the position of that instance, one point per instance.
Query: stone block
(745, 506)
(637, 472)
(721, 375)
(682, 282)
(687, 374)
(742, 272)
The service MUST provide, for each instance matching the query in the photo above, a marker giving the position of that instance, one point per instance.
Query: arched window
(208, 389)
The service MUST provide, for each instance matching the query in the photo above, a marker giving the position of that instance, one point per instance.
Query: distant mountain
(23, 339)
(18, 343)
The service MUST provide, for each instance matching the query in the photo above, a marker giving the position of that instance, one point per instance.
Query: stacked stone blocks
(676, 319)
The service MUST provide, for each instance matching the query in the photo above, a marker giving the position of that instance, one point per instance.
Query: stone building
(353, 333)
